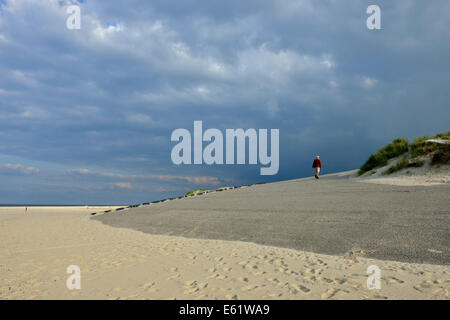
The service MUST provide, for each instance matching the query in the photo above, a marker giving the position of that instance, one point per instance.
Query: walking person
(317, 165)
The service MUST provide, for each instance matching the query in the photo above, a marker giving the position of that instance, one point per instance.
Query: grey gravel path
(333, 215)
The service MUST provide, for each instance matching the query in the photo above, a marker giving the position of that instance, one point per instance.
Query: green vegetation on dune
(374, 161)
(193, 192)
(419, 147)
(444, 135)
(404, 162)
(440, 154)
(394, 149)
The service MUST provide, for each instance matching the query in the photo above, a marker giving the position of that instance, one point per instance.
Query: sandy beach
(234, 150)
(37, 247)
(424, 176)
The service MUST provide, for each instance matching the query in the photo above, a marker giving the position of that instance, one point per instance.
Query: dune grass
(442, 155)
(393, 149)
(400, 146)
(403, 163)
(192, 192)
(419, 147)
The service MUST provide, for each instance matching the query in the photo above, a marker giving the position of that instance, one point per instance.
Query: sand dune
(119, 263)
(427, 175)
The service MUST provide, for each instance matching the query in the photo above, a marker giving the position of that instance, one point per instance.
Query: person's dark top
(317, 163)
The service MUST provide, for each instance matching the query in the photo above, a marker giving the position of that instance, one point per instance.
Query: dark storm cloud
(108, 96)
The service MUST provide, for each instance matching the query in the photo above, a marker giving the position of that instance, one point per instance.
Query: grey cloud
(111, 93)
(18, 168)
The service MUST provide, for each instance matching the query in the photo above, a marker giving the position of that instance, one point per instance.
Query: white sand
(410, 181)
(36, 248)
(424, 176)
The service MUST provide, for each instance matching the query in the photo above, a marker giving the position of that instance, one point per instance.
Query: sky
(86, 115)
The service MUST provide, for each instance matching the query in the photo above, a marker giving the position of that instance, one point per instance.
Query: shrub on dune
(442, 155)
(196, 191)
(393, 149)
(398, 166)
(374, 161)
(418, 147)
(444, 135)
(438, 150)
(403, 163)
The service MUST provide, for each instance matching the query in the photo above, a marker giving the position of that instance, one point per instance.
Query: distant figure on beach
(26, 209)
(317, 164)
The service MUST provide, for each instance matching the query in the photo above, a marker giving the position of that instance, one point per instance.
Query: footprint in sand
(273, 295)
(426, 284)
(148, 285)
(319, 261)
(191, 290)
(330, 293)
(310, 270)
(193, 286)
(174, 277)
(280, 262)
(303, 288)
(340, 280)
(433, 284)
(243, 263)
(190, 283)
(249, 288)
(202, 285)
(244, 279)
(252, 267)
(282, 270)
(417, 289)
(292, 290)
(310, 278)
(395, 280)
